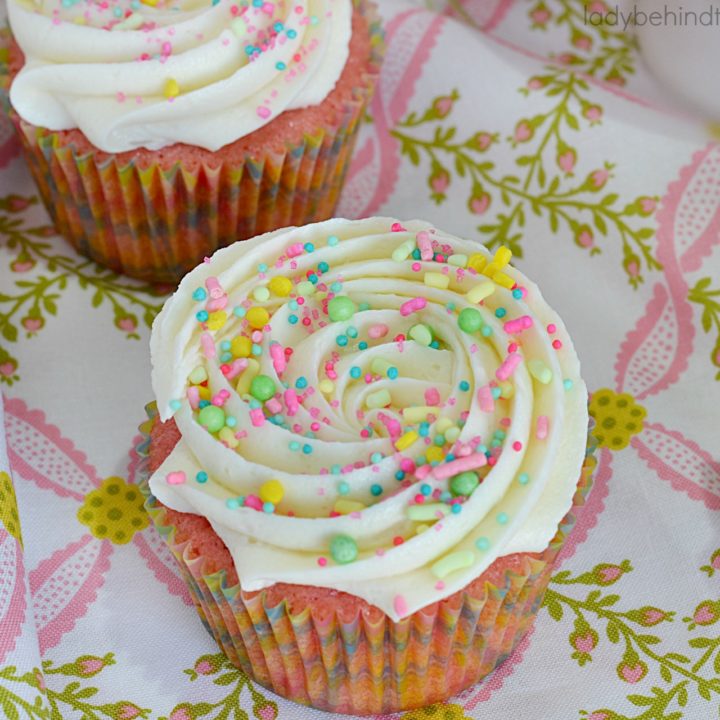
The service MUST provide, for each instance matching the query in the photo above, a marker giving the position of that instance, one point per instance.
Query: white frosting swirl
(133, 74)
(533, 436)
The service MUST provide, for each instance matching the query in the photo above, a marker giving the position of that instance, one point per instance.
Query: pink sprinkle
(512, 327)
(175, 478)
(236, 367)
(551, 328)
(543, 424)
(393, 426)
(423, 471)
(240, 434)
(208, 346)
(121, 97)
(193, 396)
(378, 331)
(295, 250)
(380, 552)
(214, 288)
(322, 561)
(485, 398)
(512, 347)
(508, 366)
(416, 267)
(397, 227)
(557, 344)
(424, 244)
(470, 462)
(439, 585)
(291, 401)
(256, 336)
(263, 112)
(274, 406)
(278, 357)
(407, 465)
(411, 306)
(432, 396)
(517, 446)
(257, 417)
(254, 502)
(400, 605)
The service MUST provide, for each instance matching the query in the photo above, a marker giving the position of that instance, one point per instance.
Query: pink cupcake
(364, 473)
(157, 132)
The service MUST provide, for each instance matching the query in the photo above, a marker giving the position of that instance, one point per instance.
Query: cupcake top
(152, 73)
(373, 406)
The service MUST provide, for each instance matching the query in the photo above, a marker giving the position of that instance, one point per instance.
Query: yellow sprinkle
(434, 454)
(79, 20)
(326, 386)
(437, 280)
(272, 491)
(504, 280)
(491, 268)
(420, 529)
(443, 425)
(380, 366)
(246, 376)
(257, 317)
(452, 562)
(507, 389)
(379, 399)
(452, 434)
(458, 260)
(131, 22)
(345, 507)
(480, 291)
(503, 256)
(402, 251)
(216, 319)
(172, 89)
(417, 413)
(261, 293)
(477, 262)
(406, 440)
(241, 346)
(151, 3)
(540, 371)
(204, 392)
(198, 375)
(305, 288)
(280, 286)
(427, 511)
(228, 437)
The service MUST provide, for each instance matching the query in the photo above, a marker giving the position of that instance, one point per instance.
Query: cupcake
(369, 447)
(160, 131)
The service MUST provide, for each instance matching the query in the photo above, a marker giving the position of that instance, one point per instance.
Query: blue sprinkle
(341, 340)
(335, 469)
(376, 457)
(445, 496)
(256, 349)
(232, 503)
(293, 34)
(363, 306)
(268, 507)
(231, 421)
(343, 488)
(486, 331)
(226, 357)
(294, 445)
(199, 294)
(202, 477)
(239, 311)
(567, 384)
(376, 490)
(352, 332)
(392, 373)
(175, 405)
(308, 247)
(313, 278)
(362, 345)
(500, 312)
(450, 306)
(434, 344)
(425, 489)
(416, 254)
(400, 475)
(333, 240)
(202, 316)
(523, 478)
(464, 385)
(225, 345)
(293, 319)
(355, 372)
(254, 404)
(336, 287)
(293, 305)
(502, 518)
(517, 293)
(323, 267)
(262, 268)
(496, 392)
(482, 543)
(439, 440)
(449, 457)
(203, 403)
(301, 383)
(278, 26)
(424, 429)
(456, 508)
(307, 449)
(280, 65)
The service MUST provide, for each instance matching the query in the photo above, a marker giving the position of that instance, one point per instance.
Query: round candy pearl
(343, 549)
(341, 308)
(464, 483)
(212, 418)
(272, 491)
(257, 317)
(469, 320)
(262, 387)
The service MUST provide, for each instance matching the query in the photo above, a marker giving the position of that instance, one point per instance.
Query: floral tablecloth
(511, 122)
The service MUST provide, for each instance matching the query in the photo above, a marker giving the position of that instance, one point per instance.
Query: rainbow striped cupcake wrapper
(155, 223)
(365, 663)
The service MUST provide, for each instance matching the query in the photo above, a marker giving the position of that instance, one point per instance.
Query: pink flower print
(597, 179)
(523, 131)
(267, 712)
(652, 616)
(32, 324)
(128, 711)
(647, 205)
(127, 323)
(584, 643)
(540, 15)
(632, 672)
(439, 181)
(582, 41)
(536, 83)
(597, 7)
(443, 105)
(632, 265)
(181, 712)
(481, 141)
(566, 160)
(706, 613)
(608, 574)
(593, 113)
(479, 202)
(584, 237)
(16, 203)
(8, 368)
(22, 265)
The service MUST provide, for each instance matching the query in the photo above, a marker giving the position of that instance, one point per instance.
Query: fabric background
(503, 121)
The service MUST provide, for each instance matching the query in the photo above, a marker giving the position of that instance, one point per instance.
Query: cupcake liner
(364, 663)
(156, 223)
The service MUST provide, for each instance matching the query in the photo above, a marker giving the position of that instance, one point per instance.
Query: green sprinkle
(262, 387)
(341, 308)
(343, 549)
(212, 418)
(470, 320)
(464, 483)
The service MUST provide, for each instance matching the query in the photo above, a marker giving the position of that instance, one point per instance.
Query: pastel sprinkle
(513, 327)
(540, 371)
(343, 549)
(453, 562)
(436, 280)
(400, 605)
(427, 511)
(421, 334)
(479, 292)
(485, 399)
(175, 478)
(508, 366)
(541, 428)
(406, 440)
(470, 462)
(411, 306)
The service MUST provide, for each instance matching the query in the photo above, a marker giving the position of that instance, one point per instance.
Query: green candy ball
(341, 308)
(212, 418)
(464, 484)
(343, 549)
(470, 320)
(262, 387)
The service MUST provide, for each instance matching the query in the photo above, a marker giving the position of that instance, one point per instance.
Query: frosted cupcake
(160, 131)
(370, 447)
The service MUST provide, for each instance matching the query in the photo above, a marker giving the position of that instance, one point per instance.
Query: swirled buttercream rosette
(382, 422)
(161, 133)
